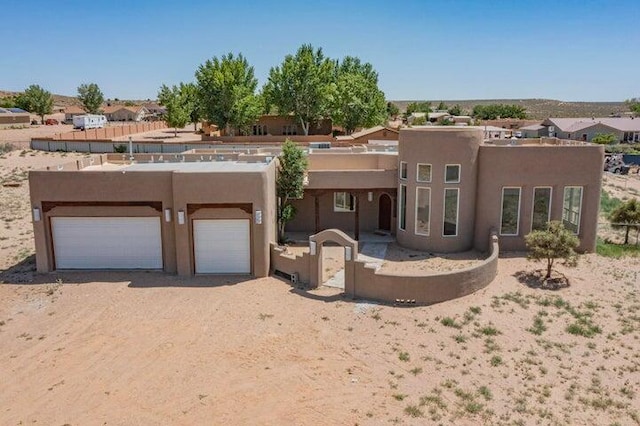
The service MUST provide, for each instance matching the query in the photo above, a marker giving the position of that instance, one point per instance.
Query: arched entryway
(316, 243)
(384, 212)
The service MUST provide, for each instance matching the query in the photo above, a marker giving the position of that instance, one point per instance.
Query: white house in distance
(626, 129)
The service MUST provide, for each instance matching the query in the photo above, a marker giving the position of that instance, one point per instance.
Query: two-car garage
(220, 246)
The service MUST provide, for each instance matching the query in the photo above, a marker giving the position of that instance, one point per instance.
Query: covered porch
(360, 213)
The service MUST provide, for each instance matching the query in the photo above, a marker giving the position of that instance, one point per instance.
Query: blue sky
(562, 49)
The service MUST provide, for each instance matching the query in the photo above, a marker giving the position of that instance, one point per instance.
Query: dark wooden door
(384, 213)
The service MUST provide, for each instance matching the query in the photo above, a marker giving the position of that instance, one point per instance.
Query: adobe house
(445, 189)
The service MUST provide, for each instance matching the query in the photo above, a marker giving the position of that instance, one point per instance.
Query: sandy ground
(187, 134)
(150, 348)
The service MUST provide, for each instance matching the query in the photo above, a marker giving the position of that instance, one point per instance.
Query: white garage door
(107, 242)
(222, 246)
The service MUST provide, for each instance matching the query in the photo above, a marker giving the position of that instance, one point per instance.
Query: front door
(384, 213)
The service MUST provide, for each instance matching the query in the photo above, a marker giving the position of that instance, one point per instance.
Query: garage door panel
(222, 246)
(107, 242)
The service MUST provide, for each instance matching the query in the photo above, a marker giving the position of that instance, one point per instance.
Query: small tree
(290, 183)
(177, 107)
(554, 243)
(626, 215)
(36, 100)
(91, 97)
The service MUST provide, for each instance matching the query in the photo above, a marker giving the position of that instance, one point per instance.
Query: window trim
(519, 188)
(340, 209)
(533, 204)
(415, 221)
(400, 208)
(459, 173)
(418, 172)
(406, 169)
(579, 211)
(444, 209)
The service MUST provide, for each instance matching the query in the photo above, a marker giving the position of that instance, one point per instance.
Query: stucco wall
(439, 147)
(530, 166)
(426, 289)
(290, 264)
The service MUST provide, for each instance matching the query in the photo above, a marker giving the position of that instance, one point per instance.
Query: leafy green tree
(634, 105)
(358, 102)
(226, 89)
(177, 106)
(190, 93)
(442, 106)
(556, 242)
(626, 215)
(604, 138)
(129, 103)
(419, 121)
(392, 110)
(494, 111)
(290, 182)
(91, 97)
(418, 107)
(36, 100)
(303, 85)
(455, 110)
(8, 102)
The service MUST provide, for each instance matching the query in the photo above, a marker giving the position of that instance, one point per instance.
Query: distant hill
(540, 108)
(65, 101)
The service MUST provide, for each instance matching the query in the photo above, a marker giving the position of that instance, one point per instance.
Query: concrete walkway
(371, 253)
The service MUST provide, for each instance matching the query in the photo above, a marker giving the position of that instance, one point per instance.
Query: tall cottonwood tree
(303, 85)
(227, 92)
(357, 102)
(91, 97)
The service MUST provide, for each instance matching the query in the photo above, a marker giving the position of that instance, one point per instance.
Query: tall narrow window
(402, 206)
(450, 225)
(403, 170)
(452, 173)
(571, 208)
(509, 221)
(423, 173)
(541, 208)
(423, 210)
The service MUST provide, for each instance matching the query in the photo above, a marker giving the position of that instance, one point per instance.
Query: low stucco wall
(427, 289)
(290, 264)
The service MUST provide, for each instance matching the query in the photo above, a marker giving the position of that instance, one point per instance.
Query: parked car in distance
(51, 122)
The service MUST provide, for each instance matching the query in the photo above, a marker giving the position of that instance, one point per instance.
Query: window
(541, 208)
(509, 220)
(571, 207)
(423, 210)
(403, 170)
(402, 207)
(290, 130)
(423, 173)
(450, 225)
(343, 202)
(452, 173)
(259, 130)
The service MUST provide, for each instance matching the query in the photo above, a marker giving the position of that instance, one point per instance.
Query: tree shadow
(535, 279)
(21, 273)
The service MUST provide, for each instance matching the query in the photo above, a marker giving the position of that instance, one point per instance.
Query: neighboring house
(13, 116)
(626, 129)
(444, 190)
(125, 113)
(281, 125)
(156, 111)
(371, 135)
(533, 131)
(493, 132)
(72, 111)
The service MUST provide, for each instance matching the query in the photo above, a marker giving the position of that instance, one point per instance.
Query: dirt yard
(150, 348)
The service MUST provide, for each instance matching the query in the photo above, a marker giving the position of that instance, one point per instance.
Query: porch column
(356, 227)
(316, 204)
